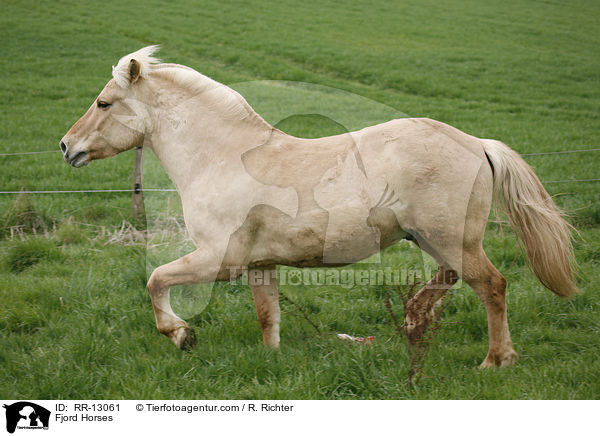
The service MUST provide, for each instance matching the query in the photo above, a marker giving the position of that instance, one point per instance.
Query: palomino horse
(254, 197)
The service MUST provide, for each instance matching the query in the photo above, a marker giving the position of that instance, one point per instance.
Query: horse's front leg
(263, 283)
(195, 267)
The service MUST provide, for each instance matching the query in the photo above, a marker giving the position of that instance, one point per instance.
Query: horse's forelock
(143, 57)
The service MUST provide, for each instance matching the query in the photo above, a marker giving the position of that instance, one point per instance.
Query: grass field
(75, 318)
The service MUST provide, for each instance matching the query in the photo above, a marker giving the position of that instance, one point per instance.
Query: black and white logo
(26, 415)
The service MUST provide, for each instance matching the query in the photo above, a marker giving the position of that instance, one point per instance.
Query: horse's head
(117, 120)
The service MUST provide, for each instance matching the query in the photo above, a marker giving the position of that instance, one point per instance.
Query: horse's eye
(103, 104)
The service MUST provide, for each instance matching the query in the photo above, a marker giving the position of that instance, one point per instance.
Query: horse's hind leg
(490, 287)
(263, 283)
(419, 311)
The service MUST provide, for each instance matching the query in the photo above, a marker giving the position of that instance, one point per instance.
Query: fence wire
(583, 150)
(28, 153)
(90, 191)
(560, 152)
(24, 153)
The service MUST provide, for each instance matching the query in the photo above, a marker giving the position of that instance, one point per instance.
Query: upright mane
(143, 56)
(218, 96)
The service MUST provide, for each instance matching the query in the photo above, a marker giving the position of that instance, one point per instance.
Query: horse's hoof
(184, 338)
(271, 345)
(508, 358)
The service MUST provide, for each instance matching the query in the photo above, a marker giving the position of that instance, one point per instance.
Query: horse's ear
(134, 71)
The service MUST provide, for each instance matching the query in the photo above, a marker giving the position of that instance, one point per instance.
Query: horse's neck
(191, 150)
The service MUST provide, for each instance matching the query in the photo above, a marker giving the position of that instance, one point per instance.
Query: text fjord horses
(256, 197)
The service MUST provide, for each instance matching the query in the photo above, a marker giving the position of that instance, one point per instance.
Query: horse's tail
(534, 217)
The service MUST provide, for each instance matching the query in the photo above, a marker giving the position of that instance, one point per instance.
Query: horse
(255, 197)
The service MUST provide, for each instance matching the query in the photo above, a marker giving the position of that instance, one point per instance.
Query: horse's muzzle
(78, 159)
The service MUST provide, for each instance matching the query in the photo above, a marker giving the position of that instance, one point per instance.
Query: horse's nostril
(63, 147)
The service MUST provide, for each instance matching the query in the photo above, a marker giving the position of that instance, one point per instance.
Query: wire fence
(25, 153)
(63, 191)
(91, 191)
(571, 181)
(560, 152)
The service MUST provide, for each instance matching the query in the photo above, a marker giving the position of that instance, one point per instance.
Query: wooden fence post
(137, 196)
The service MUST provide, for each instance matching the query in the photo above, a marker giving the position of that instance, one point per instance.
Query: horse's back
(418, 135)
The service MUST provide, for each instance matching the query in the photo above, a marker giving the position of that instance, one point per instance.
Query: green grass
(75, 319)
